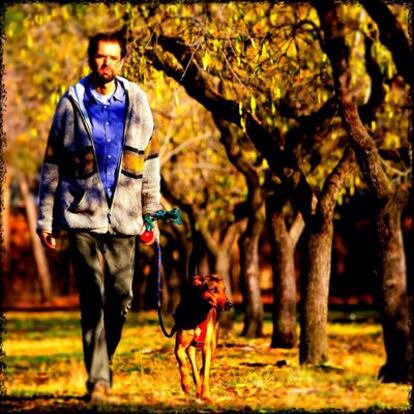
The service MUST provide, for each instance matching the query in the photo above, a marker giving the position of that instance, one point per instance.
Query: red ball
(147, 236)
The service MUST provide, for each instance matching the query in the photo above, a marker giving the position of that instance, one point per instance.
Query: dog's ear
(197, 281)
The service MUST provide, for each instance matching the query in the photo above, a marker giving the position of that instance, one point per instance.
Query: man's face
(107, 61)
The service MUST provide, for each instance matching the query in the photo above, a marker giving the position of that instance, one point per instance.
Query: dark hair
(106, 37)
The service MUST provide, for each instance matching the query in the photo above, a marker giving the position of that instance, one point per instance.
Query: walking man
(100, 175)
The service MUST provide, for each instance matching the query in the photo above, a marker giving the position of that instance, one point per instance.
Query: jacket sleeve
(151, 191)
(151, 178)
(50, 176)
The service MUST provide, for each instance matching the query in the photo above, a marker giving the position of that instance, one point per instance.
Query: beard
(103, 79)
(104, 76)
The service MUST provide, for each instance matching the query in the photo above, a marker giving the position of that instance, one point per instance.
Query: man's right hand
(48, 240)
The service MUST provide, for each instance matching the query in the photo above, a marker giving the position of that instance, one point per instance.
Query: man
(99, 177)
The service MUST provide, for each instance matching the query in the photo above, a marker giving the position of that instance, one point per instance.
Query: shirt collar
(119, 94)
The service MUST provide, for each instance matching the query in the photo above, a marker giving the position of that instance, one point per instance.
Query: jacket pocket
(80, 203)
(132, 162)
(127, 208)
(80, 164)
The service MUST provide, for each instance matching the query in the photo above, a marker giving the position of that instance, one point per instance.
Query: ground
(45, 371)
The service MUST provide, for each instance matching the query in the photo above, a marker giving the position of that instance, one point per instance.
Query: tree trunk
(284, 280)
(5, 225)
(198, 260)
(313, 347)
(315, 291)
(38, 251)
(393, 298)
(249, 241)
(222, 267)
(249, 266)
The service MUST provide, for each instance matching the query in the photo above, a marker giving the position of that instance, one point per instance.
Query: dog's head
(212, 290)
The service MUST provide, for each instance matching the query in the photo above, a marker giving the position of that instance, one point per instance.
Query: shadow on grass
(74, 404)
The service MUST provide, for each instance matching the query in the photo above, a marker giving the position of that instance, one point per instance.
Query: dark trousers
(103, 266)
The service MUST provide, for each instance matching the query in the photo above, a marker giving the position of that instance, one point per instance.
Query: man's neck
(104, 88)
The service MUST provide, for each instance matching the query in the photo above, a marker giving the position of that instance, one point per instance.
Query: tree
(268, 143)
(249, 240)
(391, 195)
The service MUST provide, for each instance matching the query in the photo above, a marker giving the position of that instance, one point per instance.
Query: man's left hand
(155, 234)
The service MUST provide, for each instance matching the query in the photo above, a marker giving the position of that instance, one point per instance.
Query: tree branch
(393, 37)
(296, 228)
(198, 87)
(235, 155)
(336, 180)
(337, 51)
(377, 95)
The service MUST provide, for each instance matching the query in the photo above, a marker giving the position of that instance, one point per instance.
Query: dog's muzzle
(228, 305)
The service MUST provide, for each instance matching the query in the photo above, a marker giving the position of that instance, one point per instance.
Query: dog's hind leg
(191, 352)
(180, 353)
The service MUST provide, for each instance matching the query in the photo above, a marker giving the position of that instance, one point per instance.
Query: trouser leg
(119, 255)
(103, 268)
(89, 274)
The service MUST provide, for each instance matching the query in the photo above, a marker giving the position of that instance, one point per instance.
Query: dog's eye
(214, 290)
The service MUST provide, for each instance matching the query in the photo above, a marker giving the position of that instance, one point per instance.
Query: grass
(45, 371)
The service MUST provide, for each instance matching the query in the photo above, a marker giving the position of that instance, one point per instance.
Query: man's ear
(197, 281)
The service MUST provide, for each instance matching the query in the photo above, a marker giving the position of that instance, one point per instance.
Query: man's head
(106, 52)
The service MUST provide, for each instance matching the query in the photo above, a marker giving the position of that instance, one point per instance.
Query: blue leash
(174, 216)
(159, 292)
(159, 267)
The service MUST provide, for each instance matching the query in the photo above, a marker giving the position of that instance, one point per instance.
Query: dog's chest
(200, 332)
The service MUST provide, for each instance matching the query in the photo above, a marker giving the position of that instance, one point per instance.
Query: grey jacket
(72, 195)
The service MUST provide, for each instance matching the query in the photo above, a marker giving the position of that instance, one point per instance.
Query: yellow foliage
(206, 60)
(65, 12)
(392, 140)
(253, 104)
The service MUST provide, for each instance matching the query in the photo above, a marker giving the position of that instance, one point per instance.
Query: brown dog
(197, 326)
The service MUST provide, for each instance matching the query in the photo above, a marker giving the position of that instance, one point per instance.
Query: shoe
(100, 392)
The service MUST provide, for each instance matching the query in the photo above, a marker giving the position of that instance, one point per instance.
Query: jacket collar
(78, 90)
(119, 94)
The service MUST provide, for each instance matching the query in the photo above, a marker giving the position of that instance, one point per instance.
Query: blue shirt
(107, 122)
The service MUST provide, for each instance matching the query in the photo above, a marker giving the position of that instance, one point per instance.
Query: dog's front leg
(205, 372)
(180, 353)
(207, 355)
(191, 352)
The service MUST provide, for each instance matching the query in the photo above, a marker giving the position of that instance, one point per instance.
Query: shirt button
(109, 173)
(106, 123)
(108, 140)
(105, 107)
(109, 156)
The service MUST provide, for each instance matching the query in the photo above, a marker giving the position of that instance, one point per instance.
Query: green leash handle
(173, 215)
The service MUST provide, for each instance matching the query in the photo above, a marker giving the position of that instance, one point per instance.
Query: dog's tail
(164, 331)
